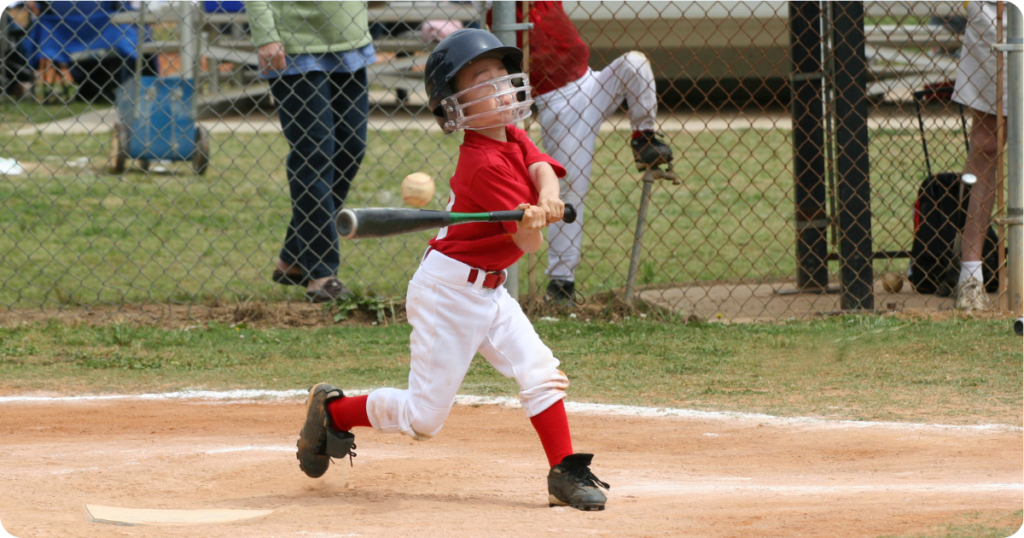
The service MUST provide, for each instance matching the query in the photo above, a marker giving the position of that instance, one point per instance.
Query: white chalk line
(572, 407)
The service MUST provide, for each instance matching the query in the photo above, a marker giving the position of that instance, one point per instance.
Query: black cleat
(563, 293)
(650, 151)
(571, 483)
(318, 440)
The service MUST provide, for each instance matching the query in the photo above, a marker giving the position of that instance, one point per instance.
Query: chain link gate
(798, 131)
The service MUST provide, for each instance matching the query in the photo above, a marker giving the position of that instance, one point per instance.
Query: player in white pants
(467, 317)
(570, 118)
(456, 303)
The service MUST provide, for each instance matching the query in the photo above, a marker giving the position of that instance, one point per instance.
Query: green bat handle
(515, 215)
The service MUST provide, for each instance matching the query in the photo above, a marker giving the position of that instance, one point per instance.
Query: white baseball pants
(452, 320)
(570, 118)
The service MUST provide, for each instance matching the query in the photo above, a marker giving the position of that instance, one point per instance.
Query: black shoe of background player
(562, 293)
(571, 483)
(649, 150)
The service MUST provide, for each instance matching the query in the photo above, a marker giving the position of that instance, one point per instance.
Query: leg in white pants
(451, 321)
(570, 118)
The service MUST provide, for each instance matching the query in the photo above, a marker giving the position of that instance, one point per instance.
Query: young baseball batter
(573, 101)
(456, 303)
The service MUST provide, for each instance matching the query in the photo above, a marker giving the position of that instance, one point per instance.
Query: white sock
(970, 270)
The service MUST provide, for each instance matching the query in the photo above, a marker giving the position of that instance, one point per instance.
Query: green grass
(78, 236)
(28, 110)
(852, 367)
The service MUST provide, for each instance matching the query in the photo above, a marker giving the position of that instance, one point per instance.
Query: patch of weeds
(120, 335)
(382, 308)
(248, 310)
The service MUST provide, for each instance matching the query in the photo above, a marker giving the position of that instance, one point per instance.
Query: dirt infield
(484, 474)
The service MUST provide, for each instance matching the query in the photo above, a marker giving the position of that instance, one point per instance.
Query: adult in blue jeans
(315, 56)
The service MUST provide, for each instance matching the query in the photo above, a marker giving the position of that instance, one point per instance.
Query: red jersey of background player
(490, 176)
(557, 54)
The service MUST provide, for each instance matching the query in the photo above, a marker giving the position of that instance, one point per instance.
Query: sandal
(332, 290)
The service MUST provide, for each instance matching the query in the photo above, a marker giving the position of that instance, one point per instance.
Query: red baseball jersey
(557, 54)
(491, 176)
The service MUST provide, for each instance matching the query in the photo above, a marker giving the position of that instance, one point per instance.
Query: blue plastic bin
(161, 126)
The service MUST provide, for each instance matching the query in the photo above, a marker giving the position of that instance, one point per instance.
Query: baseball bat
(370, 222)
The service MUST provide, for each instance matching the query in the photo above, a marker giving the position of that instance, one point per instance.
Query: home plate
(3, 532)
(145, 516)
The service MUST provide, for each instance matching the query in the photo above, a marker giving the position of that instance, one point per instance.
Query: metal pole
(829, 69)
(186, 34)
(641, 220)
(197, 36)
(807, 108)
(530, 262)
(1015, 170)
(197, 41)
(1001, 299)
(504, 19)
(852, 161)
(137, 75)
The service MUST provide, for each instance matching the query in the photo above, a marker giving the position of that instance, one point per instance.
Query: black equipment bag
(939, 216)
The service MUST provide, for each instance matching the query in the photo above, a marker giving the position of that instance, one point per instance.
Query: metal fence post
(852, 162)
(186, 33)
(807, 110)
(1015, 170)
(504, 20)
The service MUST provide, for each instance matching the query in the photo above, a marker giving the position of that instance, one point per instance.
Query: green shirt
(309, 27)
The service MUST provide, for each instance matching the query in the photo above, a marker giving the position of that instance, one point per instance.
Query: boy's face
(475, 73)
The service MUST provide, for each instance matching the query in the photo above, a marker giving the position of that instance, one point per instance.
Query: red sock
(553, 428)
(348, 412)
(636, 134)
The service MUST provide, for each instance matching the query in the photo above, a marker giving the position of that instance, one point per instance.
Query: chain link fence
(144, 160)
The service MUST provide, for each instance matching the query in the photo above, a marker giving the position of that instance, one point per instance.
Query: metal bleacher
(229, 81)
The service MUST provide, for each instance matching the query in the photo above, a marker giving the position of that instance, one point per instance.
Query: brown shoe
(288, 279)
(332, 290)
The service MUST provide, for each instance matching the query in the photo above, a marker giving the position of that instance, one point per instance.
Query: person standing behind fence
(315, 55)
(572, 103)
(976, 89)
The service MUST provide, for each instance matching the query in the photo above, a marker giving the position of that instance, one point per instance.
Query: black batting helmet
(453, 53)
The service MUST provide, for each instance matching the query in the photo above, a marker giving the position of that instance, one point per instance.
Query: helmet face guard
(455, 52)
(511, 95)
